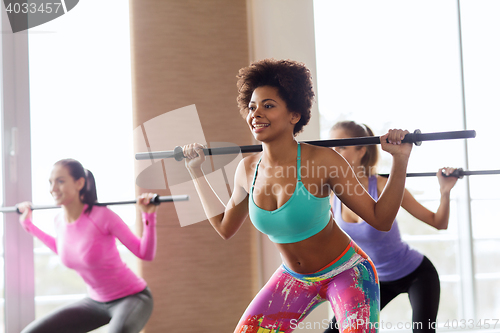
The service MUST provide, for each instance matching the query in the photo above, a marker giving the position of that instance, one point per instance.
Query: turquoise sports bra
(301, 217)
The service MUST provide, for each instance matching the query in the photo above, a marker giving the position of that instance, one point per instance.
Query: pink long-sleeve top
(88, 245)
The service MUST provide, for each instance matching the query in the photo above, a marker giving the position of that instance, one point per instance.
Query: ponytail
(88, 193)
(370, 159)
(355, 130)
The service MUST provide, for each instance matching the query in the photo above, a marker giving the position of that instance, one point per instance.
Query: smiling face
(63, 187)
(268, 116)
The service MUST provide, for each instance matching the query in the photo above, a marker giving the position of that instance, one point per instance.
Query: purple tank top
(392, 257)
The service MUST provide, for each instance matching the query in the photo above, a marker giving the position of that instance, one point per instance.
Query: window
(397, 64)
(80, 107)
(2, 263)
(481, 51)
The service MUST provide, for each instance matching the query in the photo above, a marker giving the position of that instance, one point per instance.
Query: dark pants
(423, 288)
(124, 315)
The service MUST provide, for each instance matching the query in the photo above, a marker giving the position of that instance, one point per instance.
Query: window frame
(466, 269)
(16, 173)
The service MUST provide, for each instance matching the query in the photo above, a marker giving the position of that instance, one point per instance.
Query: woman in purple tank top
(400, 268)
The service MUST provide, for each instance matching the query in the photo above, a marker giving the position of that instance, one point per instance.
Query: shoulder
(102, 216)
(248, 165)
(98, 212)
(250, 162)
(320, 155)
(246, 170)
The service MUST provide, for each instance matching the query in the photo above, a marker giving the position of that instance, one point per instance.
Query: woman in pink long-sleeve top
(86, 242)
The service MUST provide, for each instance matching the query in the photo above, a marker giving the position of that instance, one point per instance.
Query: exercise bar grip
(458, 173)
(416, 138)
(156, 200)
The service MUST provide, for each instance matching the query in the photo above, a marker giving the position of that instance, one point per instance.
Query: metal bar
(156, 200)
(458, 173)
(416, 137)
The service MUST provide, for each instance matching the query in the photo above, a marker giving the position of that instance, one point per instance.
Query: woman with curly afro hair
(286, 190)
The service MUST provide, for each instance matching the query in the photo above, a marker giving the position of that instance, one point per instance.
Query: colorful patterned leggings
(350, 283)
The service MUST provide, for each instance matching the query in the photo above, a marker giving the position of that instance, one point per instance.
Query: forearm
(212, 205)
(46, 239)
(147, 249)
(390, 200)
(442, 215)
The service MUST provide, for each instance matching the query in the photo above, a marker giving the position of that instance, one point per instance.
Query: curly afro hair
(293, 80)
